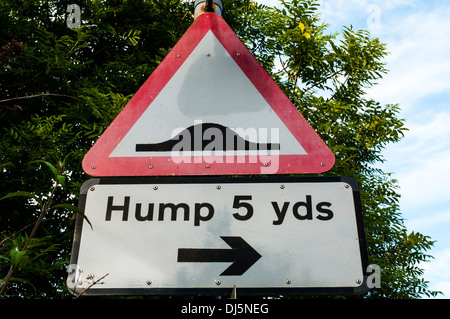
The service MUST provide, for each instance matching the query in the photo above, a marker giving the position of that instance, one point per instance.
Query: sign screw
(218, 282)
(282, 186)
(155, 187)
(150, 166)
(94, 167)
(208, 165)
(322, 164)
(238, 54)
(218, 187)
(346, 186)
(178, 55)
(288, 282)
(358, 281)
(149, 282)
(92, 189)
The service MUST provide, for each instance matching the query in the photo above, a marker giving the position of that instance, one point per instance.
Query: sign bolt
(282, 186)
(208, 165)
(288, 282)
(218, 187)
(150, 166)
(358, 281)
(155, 187)
(218, 282)
(94, 167)
(149, 282)
(92, 189)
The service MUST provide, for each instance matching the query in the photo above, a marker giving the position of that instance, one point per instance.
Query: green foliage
(326, 77)
(60, 88)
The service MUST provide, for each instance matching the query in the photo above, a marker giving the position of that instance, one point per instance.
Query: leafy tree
(326, 76)
(60, 88)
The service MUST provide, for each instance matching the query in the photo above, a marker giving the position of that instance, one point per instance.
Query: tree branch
(44, 211)
(91, 286)
(39, 95)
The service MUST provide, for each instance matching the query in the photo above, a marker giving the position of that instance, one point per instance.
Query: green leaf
(67, 206)
(60, 179)
(301, 26)
(22, 193)
(72, 208)
(50, 165)
(52, 168)
(7, 259)
(16, 256)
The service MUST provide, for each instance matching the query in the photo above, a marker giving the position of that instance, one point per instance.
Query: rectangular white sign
(267, 235)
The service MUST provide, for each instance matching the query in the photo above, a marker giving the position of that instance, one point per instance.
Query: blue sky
(417, 36)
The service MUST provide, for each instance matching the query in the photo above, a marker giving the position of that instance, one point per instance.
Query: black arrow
(242, 255)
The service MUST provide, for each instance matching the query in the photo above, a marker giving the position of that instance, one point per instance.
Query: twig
(298, 71)
(284, 67)
(91, 286)
(15, 233)
(6, 279)
(39, 95)
(44, 211)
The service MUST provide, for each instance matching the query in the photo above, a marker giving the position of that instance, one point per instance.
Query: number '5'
(238, 202)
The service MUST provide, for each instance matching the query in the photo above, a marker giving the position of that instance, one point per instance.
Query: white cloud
(436, 272)
(418, 63)
(421, 162)
(427, 221)
(270, 3)
(419, 82)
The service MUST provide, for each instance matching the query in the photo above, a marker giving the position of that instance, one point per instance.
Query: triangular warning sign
(208, 109)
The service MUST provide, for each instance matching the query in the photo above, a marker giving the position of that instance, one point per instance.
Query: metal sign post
(204, 6)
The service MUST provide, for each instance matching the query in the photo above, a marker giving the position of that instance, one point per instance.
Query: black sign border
(221, 291)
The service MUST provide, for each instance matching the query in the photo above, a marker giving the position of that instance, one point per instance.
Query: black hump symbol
(217, 137)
